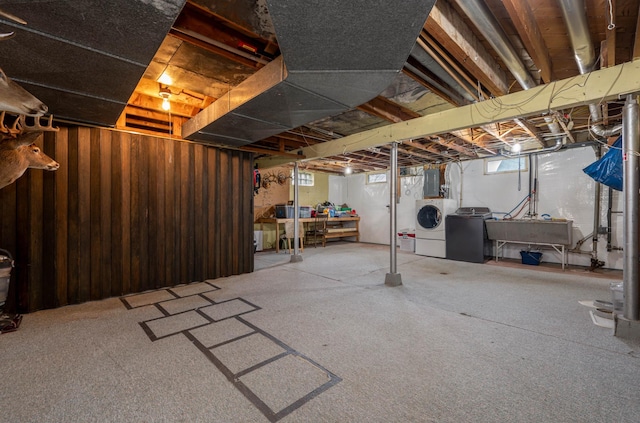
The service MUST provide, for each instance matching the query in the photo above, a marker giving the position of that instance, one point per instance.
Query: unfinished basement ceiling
(83, 58)
(202, 51)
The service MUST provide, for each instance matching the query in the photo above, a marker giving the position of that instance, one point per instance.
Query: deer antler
(21, 125)
(7, 35)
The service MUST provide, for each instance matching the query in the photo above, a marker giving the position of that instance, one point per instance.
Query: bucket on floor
(6, 263)
(531, 257)
(617, 297)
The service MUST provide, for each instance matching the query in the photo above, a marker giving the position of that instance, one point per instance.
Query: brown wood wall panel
(61, 213)
(125, 213)
(48, 227)
(105, 214)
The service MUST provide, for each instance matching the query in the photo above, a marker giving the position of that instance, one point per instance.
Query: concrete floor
(324, 340)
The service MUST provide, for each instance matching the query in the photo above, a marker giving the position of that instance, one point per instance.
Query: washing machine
(430, 225)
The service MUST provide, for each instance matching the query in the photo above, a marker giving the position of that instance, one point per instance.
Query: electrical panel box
(431, 183)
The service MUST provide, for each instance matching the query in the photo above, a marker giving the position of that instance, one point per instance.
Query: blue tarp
(608, 170)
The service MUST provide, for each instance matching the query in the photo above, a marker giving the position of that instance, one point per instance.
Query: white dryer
(430, 225)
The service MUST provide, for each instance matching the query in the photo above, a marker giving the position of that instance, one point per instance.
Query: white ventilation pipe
(575, 17)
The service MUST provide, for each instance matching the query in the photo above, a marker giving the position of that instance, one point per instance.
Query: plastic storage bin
(305, 211)
(531, 257)
(284, 211)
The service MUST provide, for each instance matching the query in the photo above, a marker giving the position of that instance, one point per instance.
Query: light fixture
(165, 79)
(516, 147)
(164, 94)
(348, 170)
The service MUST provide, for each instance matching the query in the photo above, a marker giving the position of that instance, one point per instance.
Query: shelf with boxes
(343, 227)
(337, 227)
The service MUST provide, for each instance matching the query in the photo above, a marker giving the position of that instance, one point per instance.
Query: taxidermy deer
(18, 151)
(14, 98)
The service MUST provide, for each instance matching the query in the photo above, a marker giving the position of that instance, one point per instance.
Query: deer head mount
(17, 149)
(14, 98)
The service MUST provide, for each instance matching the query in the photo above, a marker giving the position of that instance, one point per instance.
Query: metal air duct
(575, 17)
(335, 55)
(495, 35)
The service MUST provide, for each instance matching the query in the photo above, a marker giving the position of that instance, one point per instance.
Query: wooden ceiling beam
(268, 152)
(428, 148)
(388, 110)
(444, 64)
(452, 144)
(525, 23)
(430, 157)
(447, 27)
(451, 62)
(147, 114)
(434, 89)
(596, 86)
(154, 103)
(493, 129)
(197, 20)
(531, 130)
(175, 32)
(467, 136)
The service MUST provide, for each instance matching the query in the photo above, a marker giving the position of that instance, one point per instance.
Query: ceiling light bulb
(165, 104)
(347, 170)
(165, 79)
(516, 147)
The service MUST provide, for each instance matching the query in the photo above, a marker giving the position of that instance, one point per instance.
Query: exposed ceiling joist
(525, 22)
(601, 85)
(386, 109)
(450, 30)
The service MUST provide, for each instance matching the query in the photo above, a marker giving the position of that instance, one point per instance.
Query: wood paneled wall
(125, 213)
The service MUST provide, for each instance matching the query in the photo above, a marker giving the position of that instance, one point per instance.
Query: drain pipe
(574, 13)
(630, 148)
(392, 278)
(556, 147)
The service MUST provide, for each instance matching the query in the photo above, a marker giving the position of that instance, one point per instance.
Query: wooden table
(343, 232)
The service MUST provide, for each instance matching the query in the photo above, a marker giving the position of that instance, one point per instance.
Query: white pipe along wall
(563, 191)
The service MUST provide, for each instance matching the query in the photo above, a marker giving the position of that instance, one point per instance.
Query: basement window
(505, 165)
(305, 179)
(377, 178)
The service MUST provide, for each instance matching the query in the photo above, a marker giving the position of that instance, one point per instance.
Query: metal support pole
(296, 257)
(392, 278)
(596, 215)
(630, 149)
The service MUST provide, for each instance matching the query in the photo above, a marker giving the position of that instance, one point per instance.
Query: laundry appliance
(466, 234)
(430, 225)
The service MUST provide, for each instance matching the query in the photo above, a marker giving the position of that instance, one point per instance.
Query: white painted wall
(564, 191)
(371, 201)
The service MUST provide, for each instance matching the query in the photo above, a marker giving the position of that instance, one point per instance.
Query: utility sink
(534, 231)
